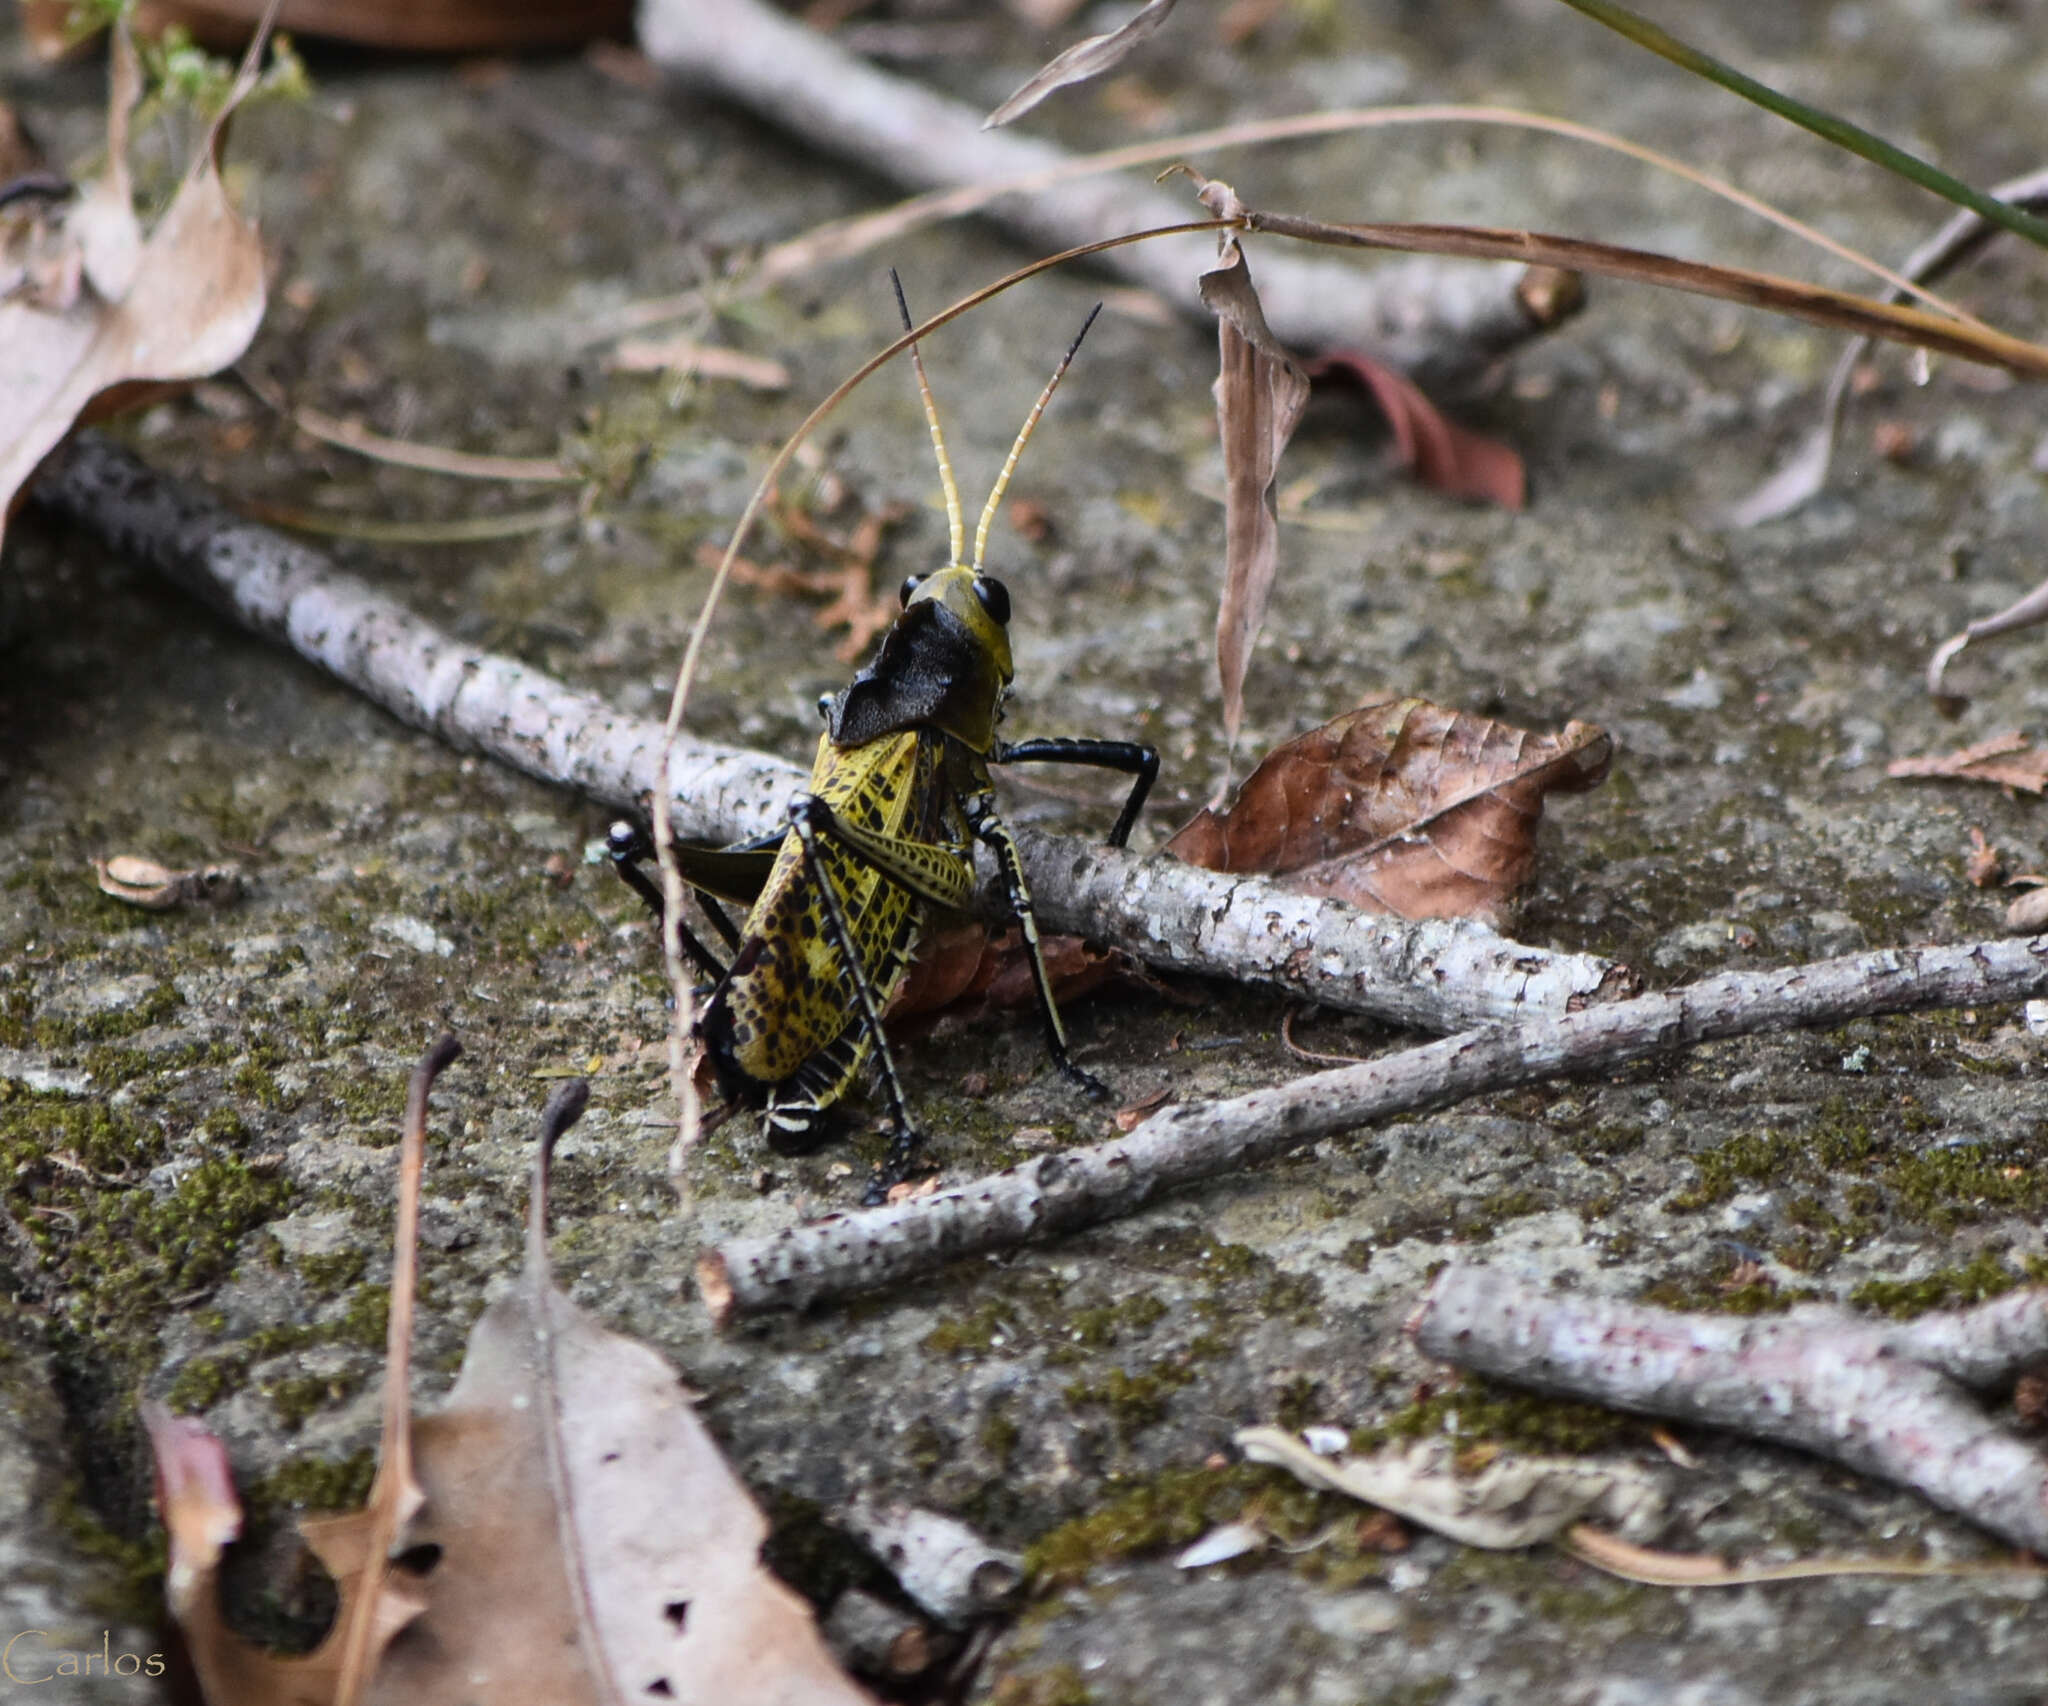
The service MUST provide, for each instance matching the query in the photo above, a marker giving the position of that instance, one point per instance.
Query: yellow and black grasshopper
(900, 791)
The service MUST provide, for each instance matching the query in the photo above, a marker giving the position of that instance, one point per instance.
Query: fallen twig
(1885, 1399)
(1438, 975)
(941, 1563)
(1444, 320)
(1077, 1187)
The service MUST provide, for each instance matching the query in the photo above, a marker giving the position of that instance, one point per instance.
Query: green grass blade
(1838, 131)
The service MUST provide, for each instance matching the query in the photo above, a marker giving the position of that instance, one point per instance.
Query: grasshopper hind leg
(802, 1112)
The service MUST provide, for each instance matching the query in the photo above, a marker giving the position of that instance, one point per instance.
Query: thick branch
(1434, 975)
(1438, 319)
(1874, 1396)
(1077, 1187)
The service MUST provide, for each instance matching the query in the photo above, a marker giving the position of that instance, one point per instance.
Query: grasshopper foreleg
(988, 826)
(1133, 759)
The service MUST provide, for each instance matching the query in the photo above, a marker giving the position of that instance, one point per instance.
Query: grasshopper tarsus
(1086, 1082)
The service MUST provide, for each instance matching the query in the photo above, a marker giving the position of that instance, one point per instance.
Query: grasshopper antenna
(988, 514)
(955, 527)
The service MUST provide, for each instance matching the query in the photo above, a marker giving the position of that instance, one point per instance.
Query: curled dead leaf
(1261, 391)
(1400, 806)
(157, 888)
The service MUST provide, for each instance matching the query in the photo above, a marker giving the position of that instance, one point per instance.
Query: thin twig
(1180, 1145)
(1439, 975)
(1888, 1400)
(839, 240)
(1451, 323)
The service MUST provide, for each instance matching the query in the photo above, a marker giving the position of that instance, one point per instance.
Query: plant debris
(1085, 59)
(1444, 456)
(1400, 806)
(1261, 392)
(101, 315)
(2009, 760)
(1509, 1503)
(157, 888)
(562, 1530)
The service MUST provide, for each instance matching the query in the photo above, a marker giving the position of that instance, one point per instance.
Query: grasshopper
(900, 792)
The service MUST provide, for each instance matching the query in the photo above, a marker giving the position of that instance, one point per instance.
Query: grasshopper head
(980, 602)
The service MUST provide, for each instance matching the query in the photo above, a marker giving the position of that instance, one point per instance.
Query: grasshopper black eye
(910, 584)
(994, 596)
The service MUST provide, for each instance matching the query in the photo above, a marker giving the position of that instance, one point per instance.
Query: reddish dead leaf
(2005, 761)
(419, 26)
(138, 313)
(846, 581)
(1445, 457)
(966, 970)
(1400, 806)
(1260, 394)
(1030, 521)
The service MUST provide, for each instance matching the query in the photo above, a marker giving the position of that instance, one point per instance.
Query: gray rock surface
(198, 1111)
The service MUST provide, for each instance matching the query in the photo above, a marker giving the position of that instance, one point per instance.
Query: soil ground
(198, 1111)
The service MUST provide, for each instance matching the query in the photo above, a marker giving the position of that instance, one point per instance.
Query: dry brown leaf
(2005, 761)
(1260, 394)
(171, 308)
(1085, 59)
(1445, 457)
(1400, 806)
(587, 1543)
